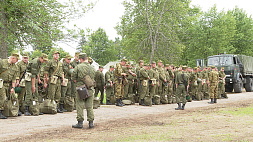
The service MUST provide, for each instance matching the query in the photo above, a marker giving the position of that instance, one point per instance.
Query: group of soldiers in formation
(146, 84)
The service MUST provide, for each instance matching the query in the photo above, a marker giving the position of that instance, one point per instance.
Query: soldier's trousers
(21, 96)
(170, 93)
(88, 103)
(101, 89)
(30, 96)
(119, 89)
(222, 90)
(152, 90)
(109, 93)
(213, 90)
(4, 94)
(161, 93)
(65, 91)
(54, 91)
(181, 94)
(205, 91)
(144, 91)
(128, 89)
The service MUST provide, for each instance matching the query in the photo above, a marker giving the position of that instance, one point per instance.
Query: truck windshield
(220, 60)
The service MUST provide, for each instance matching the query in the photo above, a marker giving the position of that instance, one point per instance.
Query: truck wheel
(249, 84)
(238, 86)
(229, 88)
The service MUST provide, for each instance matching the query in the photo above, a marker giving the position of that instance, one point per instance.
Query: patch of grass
(246, 111)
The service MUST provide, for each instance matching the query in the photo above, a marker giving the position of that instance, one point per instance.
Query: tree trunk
(3, 32)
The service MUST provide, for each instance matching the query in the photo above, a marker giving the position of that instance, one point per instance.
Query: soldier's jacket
(193, 77)
(143, 74)
(118, 71)
(129, 75)
(213, 77)
(152, 74)
(205, 75)
(162, 75)
(74, 63)
(221, 75)
(34, 67)
(21, 66)
(167, 75)
(66, 68)
(109, 76)
(51, 66)
(8, 72)
(99, 78)
(81, 70)
(171, 74)
(179, 78)
(138, 72)
(175, 73)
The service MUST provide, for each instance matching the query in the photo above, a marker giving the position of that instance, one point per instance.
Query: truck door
(200, 62)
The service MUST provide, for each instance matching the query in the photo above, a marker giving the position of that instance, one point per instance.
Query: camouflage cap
(199, 67)
(15, 55)
(68, 57)
(77, 53)
(44, 56)
(184, 67)
(212, 66)
(167, 65)
(153, 62)
(222, 68)
(25, 55)
(82, 55)
(195, 68)
(146, 65)
(141, 61)
(111, 66)
(160, 61)
(124, 60)
(56, 52)
(101, 66)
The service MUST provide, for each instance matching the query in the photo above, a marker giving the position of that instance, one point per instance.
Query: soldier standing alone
(213, 79)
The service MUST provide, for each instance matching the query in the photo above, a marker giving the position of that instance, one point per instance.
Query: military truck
(238, 70)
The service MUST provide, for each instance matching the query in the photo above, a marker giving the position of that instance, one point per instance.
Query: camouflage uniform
(66, 90)
(128, 87)
(170, 77)
(205, 86)
(222, 92)
(109, 76)
(181, 90)
(100, 83)
(74, 63)
(213, 79)
(144, 78)
(161, 88)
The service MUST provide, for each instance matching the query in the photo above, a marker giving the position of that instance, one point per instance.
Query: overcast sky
(106, 14)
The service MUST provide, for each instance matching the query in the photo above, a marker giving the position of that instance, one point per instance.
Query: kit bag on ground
(69, 103)
(35, 108)
(49, 107)
(11, 107)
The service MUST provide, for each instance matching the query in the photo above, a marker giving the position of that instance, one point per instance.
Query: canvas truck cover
(247, 62)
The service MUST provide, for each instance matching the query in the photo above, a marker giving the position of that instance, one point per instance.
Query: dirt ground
(200, 121)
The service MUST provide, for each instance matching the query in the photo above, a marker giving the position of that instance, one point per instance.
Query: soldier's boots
(78, 125)
(211, 101)
(142, 102)
(91, 125)
(118, 103)
(58, 110)
(153, 102)
(121, 102)
(101, 102)
(19, 112)
(62, 108)
(183, 106)
(27, 113)
(108, 102)
(215, 100)
(179, 106)
(2, 116)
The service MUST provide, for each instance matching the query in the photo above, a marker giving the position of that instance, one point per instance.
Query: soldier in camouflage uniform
(144, 78)
(181, 78)
(66, 89)
(109, 80)
(100, 83)
(41, 90)
(205, 85)
(222, 77)
(153, 74)
(141, 63)
(54, 71)
(194, 84)
(119, 86)
(8, 74)
(78, 75)
(21, 66)
(128, 88)
(33, 68)
(213, 79)
(162, 81)
(74, 63)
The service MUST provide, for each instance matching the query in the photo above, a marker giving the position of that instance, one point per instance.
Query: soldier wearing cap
(109, 80)
(130, 77)
(222, 77)
(182, 85)
(100, 83)
(162, 80)
(169, 88)
(213, 79)
(141, 63)
(205, 88)
(144, 79)
(54, 75)
(119, 86)
(8, 75)
(154, 76)
(80, 71)
(74, 63)
(194, 84)
(31, 81)
(66, 89)
(21, 66)
(90, 60)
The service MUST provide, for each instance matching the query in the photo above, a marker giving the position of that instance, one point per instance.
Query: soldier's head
(83, 57)
(141, 63)
(101, 68)
(160, 63)
(171, 66)
(111, 67)
(67, 59)
(222, 69)
(153, 64)
(128, 65)
(77, 56)
(123, 62)
(56, 55)
(90, 60)
(195, 69)
(167, 66)
(183, 68)
(213, 68)
(145, 66)
(14, 58)
(25, 58)
(43, 58)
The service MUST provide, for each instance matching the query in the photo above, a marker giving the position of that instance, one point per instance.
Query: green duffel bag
(127, 102)
(11, 108)
(148, 101)
(157, 99)
(132, 98)
(69, 103)
(35, 108)
(49, 107)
